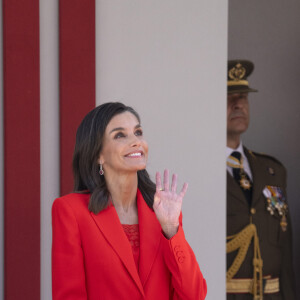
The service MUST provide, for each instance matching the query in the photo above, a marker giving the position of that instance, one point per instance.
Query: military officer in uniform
(259, 237)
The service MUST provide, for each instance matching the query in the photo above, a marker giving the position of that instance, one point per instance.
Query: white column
(168, 60)
(49, 75)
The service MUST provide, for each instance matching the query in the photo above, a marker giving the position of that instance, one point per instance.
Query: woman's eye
(119, 135)
(139, 132)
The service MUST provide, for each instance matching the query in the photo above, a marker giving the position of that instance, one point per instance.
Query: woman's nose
(135, 141)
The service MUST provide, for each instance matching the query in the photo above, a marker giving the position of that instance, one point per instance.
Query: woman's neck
(122, 190)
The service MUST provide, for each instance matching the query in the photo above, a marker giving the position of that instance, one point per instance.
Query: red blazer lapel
(150, 237)
(109, 224)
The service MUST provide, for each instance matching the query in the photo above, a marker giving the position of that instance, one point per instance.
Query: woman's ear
(100, 160)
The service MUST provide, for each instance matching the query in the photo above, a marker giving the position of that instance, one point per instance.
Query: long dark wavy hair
(89, 143)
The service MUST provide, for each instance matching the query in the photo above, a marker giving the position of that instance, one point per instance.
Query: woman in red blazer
(118, 236)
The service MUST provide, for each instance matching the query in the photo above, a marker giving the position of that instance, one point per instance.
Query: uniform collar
(240, 149)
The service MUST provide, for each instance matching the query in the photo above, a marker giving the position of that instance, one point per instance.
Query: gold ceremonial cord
(242, 242)
(237, 82)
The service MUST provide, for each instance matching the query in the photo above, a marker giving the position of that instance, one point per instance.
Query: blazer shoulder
(73, 200)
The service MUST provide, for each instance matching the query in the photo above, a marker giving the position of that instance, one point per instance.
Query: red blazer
(92, 257)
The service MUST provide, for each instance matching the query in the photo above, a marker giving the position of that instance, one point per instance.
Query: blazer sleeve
(68, 274)
(187, 279)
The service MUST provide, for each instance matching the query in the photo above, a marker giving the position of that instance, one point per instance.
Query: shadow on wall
(270, 37)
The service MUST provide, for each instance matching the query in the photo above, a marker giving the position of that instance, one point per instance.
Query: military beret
(238, 72)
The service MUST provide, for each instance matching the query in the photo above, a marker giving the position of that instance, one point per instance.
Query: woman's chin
(139, 167)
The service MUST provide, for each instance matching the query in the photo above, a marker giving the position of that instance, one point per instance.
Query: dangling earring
(101, 171)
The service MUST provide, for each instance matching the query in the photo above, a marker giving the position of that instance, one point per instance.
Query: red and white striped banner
(22, 126)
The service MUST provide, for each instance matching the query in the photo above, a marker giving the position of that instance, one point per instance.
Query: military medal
(235, 161)
(276, 202)
(245, 183)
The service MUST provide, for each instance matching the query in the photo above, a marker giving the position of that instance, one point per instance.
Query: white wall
(168, 59)
(49, 114)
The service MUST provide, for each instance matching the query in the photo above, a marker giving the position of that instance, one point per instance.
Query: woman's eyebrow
(121, 128)
(116, 129)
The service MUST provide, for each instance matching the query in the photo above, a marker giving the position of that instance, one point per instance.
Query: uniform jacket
(275, 244)
(92, 257)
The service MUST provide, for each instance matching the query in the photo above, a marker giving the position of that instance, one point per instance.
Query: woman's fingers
(166, 183)
(174, 183)
(183, 190)
(166, 180)
(158, 182)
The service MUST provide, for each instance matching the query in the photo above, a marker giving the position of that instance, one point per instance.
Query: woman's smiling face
(124, 148)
